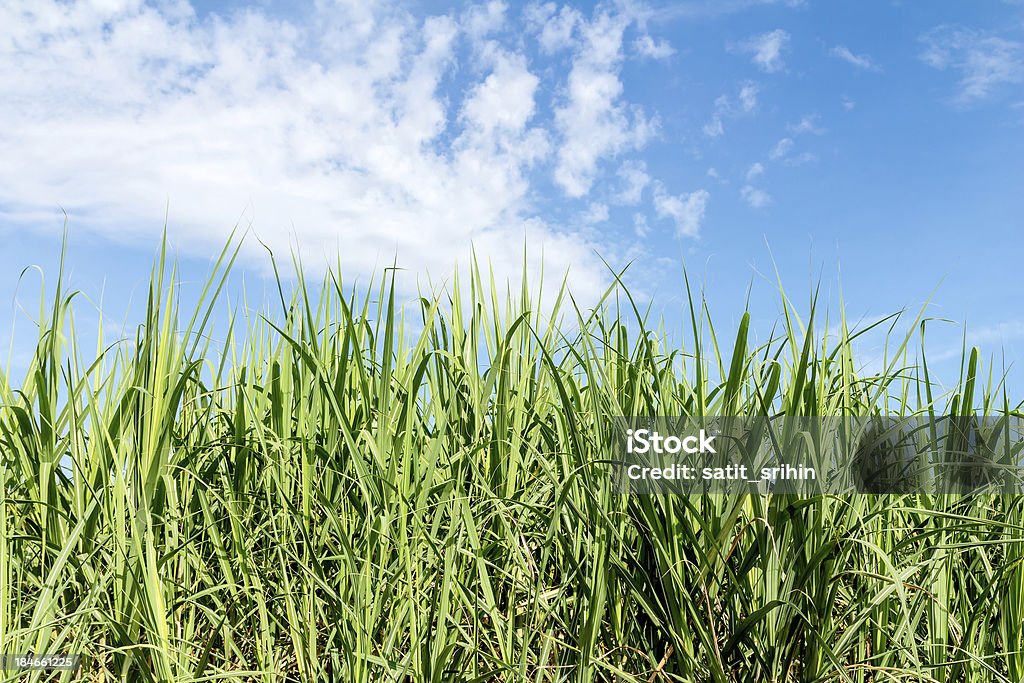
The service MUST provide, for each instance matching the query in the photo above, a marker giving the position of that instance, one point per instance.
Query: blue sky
(872, 146)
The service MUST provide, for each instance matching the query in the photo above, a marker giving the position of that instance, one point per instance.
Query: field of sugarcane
(368, 487)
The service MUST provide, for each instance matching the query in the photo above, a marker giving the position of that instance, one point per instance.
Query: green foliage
(357, 489)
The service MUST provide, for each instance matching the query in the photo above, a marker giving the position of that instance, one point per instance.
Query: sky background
(874, 147)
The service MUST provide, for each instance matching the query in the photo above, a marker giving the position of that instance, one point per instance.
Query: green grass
(353, 489)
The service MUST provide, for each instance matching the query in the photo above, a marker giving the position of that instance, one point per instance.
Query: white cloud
(748, 97)
(984, 62)
(482, 20)
(755, 197)
(646, 46)
(807, 124)
(687, 210)
(634, 178)
(801, 159)
(766, 49)
(848, 104)
(714, 128)
(640, 226)
(554, 27)
(335, 134)
(994, 336)
(597, 212)
(592, 120)
(1004, 331)
(703, 9)
(756, 169)
(725, 109)
(860, 61)
(780, 152)
(504, 102)
(781, 149)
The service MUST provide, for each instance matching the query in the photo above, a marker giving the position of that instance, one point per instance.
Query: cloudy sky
(873, 146)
